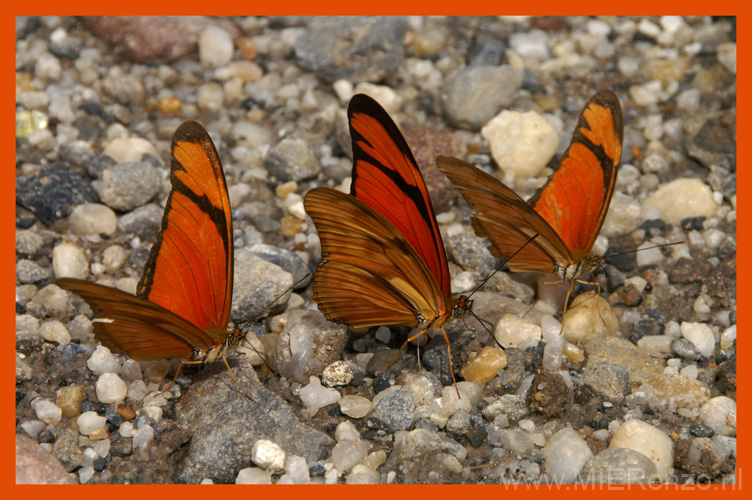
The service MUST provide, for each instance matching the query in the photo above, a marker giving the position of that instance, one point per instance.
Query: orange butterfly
(182, 305)
(384, 260)
(567, 212)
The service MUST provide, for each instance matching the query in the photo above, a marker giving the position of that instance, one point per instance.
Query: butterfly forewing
(387, 178)
(189, 270)
(371, 275)
(575, 199)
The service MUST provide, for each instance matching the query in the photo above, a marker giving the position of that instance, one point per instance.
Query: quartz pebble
(485, 365)
(55, 331)
(589, 316)
(679, 199)
(700, 335)
(268, 455)
(511, 331)
(47, 411)
(565, 455)
(111, 388)
(522, 144)
(69, 261)
(720, 414)
(89, 421)
(648, 440)
(355, 406)
(315, 396)
(92, 218)
(253, 475)
(102, 361)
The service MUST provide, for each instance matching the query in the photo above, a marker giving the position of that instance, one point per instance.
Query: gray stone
(145, 222)
(35, 465)
(292, 158)
(126, 186)
(226, 424)
(356, 48)
(606, 382)
(475, 94)
(257, 284)
(393, 412)
(422, 441)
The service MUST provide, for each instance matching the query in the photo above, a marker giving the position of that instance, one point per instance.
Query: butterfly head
(234, 339)
(463, 305)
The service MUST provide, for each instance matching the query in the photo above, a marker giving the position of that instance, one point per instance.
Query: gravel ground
(640, 386)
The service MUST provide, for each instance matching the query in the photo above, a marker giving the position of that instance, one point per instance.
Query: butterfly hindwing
(370, 275)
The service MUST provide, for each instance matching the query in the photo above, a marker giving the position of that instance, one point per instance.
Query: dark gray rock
(225, 424)
(292, 158)
(393, 412)
(145, 222)
(52, 192)
(126, 186)
(258, 283)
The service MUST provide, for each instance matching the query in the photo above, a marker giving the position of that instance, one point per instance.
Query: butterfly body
(182, 305)
(566, 213)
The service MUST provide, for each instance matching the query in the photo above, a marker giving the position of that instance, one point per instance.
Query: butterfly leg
(182, 362)
(451, 370)
(224, 358)
(422, 332)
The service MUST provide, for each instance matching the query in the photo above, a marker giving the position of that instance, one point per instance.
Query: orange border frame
(300, 7)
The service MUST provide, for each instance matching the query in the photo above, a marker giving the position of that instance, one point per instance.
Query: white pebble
(142, 438)
(521, 144)
(69, 261)
(253, 475)
(346, 431)
(728, 337)
(421, 388)
(214, 47)
(700, 335)
(85, 474)
(589, 316)
(680, 198)
(126, 429)
(153, 412)
(361, 474)
(129, 149)
(34, 427)
(720, 414)
(648, 440)
(89, 421)
(566, 454)
(713, 237)
(210, 97)
(531, 44)
(102, 447)
(451, 402)
(347, 454)
(315, 396)
(354, 406)
(701, 307)
(511, 331)
(102, 361)
(388, 98)
(55, 331)
(296, 469)
(268, 455)
(92, 218)
(727, 56)
(47, 411)
(657, 346)
(111, 388)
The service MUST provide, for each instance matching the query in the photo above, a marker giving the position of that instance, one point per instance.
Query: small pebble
(719, 413)
(355, 406)
(111, 388)
(69, 261)
(522, 144)
(55, 331)
(47, 411)
(69, 400)
(648, 440)
(253, 475)
(511, 331)
(89, 421)
(679, 199)
(565, 455)
(701, 336)
(102, 361)
(92, 219)
(268, 455)
(361, 474)
(485, 365)
(214, 47)
(315, 396)
(589, 316)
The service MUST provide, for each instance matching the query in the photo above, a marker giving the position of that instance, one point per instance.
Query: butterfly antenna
(641, 249)
(483, 323)
(500, 266)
